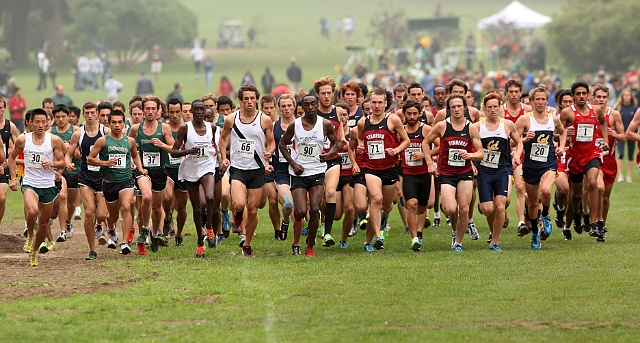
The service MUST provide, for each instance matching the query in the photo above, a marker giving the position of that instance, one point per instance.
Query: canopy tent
(517, 16)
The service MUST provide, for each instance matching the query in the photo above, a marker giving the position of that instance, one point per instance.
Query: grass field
(576, 291)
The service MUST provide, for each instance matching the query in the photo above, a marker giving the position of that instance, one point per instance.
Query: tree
(589, 33)
(390, 25)
(131, 27)
(15, 29)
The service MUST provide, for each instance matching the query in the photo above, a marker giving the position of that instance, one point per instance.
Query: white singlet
(307, 146)
(193, 167)
(243, 150)
(34, 174)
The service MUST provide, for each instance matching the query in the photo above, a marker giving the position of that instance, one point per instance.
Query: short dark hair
(248, 88)
(48, 101)
(365, 89)
(38, 111)
(174, 101)
(456, 96)
(75, 110)
(411, 103)
(116, 113)
(60, 108)
(579, 84)
(456, 83)
(414, 85)
(105, 104)
(225, 100)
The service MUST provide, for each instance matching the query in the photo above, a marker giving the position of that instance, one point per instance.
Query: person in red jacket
(17, 106)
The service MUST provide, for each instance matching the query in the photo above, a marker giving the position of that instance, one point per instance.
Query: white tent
(515, 15)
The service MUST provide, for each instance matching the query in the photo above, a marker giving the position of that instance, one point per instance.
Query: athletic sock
(420, 234)
(545, 210)
(470, 221)
(436, 214)
(534, 225)
(329, 212)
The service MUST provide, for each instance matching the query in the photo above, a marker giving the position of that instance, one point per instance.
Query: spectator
(360, 70)
(112, 88)
(348, 24)
(17, 106)
(208, 70)
(7, 66)
(247, 79)
(83, 70)
(95, 69)
(252, 36)
(43, 69)
(197, 56)
(106, 67)
(11, 87)
(344, 77)
(225, 88)
(53, 70)
(435, 52)
(267, 82)
(470, 48)
(177, 88)
(61, 98)
(156, 61)
(294, 74)
(144, 85)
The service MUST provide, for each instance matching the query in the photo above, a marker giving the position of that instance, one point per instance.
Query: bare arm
(632, 130)
(559, 129)
(474, 134)
(397, 127)
(93, 159)
(331, 135)
(616, 129)
(135, 157)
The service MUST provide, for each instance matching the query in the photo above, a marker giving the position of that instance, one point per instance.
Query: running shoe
(162, 239)
(172, 233)
(33, 259)
(102, 240)
(211, 239)
(555, 201)
(25, 232)
(236, 229)
(600, 239)
(248, 252)
(342, 245)
(242, 239)
(384, 223)
(200, 251)
(577, 223)
(490, 237)
(155, 244)
(328, 241)
(567, 234)
(383, 235)
(436, 222)
(454, 234)
(132, 233)
(363, 224)
(474, 234)
(69, 229)
(309, 253)
(427, 222)
(368, 247)
(219, 238)
(99, 231)
(284, 230)
(506, 221)
(142, 250)
(125, 249)
(378, 243)
(593, 230)
(406, 231)
(415, 244)
(62, 236)
(559, 218)
(457, 248)
(92, 256)
(51, 246)
(77, 214)
(495, 248)
(420, 241)
(353, 231)
(295, 249)
(111, 244)
(535, 241)
(43, 249)
(226, 220)
(600, 227)
(113, 235)
(586, 221)
(448, 221)
(320, 231)
(166, 227)
(305, 231)
(237, 219)
(142, 238)
(523, 229)
(178, 241)
(276, 235)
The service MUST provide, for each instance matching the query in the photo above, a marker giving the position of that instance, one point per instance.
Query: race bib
(175, 160)
(539, 152)
(246, 147)
(491, 158)
(34, 159)
(345, 161)
(376, 150)
(121, 162)
(203, 151)
(351, 123)
(92, 168)
(151, 159)
(455, 158)
(281, 158)
(584, 133)
(408, 157)
(308, 151)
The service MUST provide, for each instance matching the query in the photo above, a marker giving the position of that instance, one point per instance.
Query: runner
(175, 194)
(225, 108)
(65, 131)
(350, 92)
(384, 137)
(608, 165)
(251, 146)
(416, 166)
(496, 168)
(325, 88)
(307, 164)
(8, 134)
(43, 153)
(89, 179)
(268, 107)
(581, 120)
(197, 168)
(540, 165)
(563, 190)
(113, 153)
(458, 138)
(152, 137)
(344, 190)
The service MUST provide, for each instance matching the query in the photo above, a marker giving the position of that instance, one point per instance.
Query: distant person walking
(177, 88)
(43, 69)
(294, 74)
(208, 70)
(17, 106)
(197, 56)
(267, 81)
(95, 69)
(112, 88)
(156, 61)
(60, 98)
(144, 85)
(225, 88)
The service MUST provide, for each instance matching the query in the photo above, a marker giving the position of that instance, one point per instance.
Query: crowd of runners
(315, 158)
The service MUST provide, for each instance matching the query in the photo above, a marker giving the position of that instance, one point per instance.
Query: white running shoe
(62, 236)
(111, 244)
(77, 214)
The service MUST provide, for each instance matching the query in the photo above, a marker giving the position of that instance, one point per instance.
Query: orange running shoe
(200, 252)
